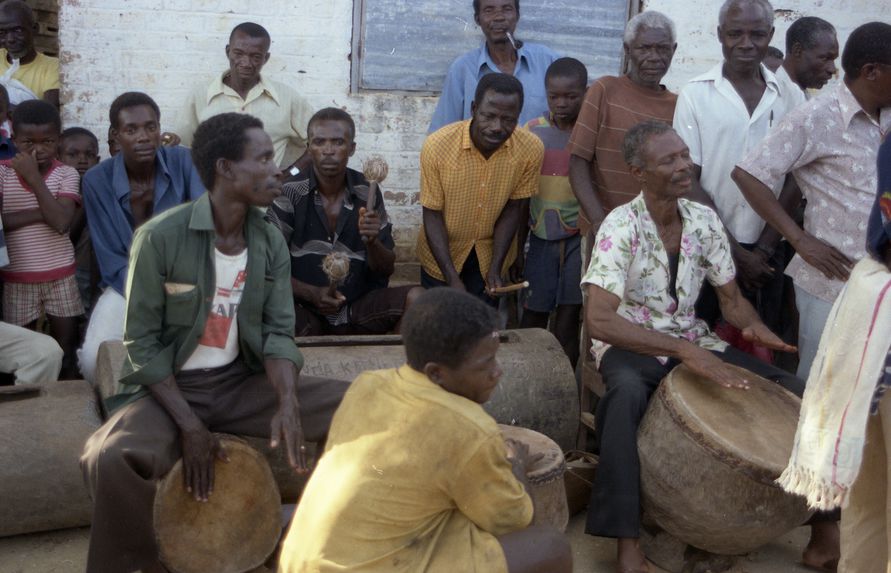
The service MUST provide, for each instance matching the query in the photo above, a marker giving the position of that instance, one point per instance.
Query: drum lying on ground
(546, 485)
(234, 531)
(709, 457)
(44, 428)
(537, 390)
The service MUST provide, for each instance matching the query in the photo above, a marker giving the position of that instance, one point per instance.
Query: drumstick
(509, 288)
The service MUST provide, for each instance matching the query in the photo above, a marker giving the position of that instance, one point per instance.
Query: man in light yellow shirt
(416, 476)
(475, 176)
(37, 73)
(242, 89)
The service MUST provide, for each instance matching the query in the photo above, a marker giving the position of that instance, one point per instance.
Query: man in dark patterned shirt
(324, 211)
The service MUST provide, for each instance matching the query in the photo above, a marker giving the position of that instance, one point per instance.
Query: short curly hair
(636, 140)
(128, 100)
(222, 136)
(36, 112)
(443, 325)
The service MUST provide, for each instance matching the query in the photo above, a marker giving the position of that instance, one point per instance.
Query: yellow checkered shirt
(471, 191)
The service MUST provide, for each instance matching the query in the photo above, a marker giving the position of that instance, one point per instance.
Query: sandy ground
(65, 552)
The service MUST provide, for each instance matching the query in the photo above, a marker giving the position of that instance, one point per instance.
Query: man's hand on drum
(759, 334)
(200, 450)
(709, 366)
(286, 428)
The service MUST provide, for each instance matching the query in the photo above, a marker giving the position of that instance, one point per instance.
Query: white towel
(834, 411)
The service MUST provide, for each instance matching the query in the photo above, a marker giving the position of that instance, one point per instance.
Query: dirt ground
(65, 552)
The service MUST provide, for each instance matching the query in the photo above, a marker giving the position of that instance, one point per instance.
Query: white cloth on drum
(831, 434)
(106, 323)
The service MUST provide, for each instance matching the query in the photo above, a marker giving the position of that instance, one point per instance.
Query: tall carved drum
(545, 476)
(234, 531)
(709, 457)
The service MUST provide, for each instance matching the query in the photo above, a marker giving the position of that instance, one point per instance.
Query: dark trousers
(139, 444)
(630, 380)
(473, 280)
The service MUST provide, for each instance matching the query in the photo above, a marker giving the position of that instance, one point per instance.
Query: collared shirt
(553, 210)
(414, 478)
(630, 261)
(38, 253)
(471, 191)
(612, 106)
(106, 190)
(789, 88)
(713, 121)
(830, 144)
(284, 113)
(466, 71)
(299, 214)
(170, 290)
(39, 76)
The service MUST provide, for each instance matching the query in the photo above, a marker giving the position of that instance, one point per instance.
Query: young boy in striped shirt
(38, 198)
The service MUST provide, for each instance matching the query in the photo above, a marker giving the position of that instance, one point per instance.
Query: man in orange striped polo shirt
(475, 175)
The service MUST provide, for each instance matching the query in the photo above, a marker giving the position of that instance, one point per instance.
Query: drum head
(550, 466)
(234, 531)
(752, 430)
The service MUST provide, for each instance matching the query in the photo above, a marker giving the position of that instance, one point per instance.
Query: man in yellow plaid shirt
(475, 176)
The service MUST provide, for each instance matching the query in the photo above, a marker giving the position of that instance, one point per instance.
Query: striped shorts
(23, 302)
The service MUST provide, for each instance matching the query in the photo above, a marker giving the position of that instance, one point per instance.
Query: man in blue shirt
(501, 52)
(120, 194)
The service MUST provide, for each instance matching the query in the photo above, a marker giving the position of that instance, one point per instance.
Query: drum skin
(708, 460)
(537, 390)
(546, 485)
(43, 435)
(234, 531)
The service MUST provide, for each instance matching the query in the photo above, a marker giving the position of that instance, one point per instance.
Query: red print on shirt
(222, 312)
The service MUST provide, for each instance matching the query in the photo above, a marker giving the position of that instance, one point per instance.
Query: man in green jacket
(209, 347)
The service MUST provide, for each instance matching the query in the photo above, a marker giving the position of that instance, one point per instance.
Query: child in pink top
(38, 199)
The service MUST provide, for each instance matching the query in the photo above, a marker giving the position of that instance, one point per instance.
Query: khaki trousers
(138, 445)
(866, 522)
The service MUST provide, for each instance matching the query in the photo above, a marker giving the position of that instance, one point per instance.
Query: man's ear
(472, 108)
(433, 371)
(636, 172)
(227, 51)
(352, 148)
(223, 168)
(266, 59)
(868, 71)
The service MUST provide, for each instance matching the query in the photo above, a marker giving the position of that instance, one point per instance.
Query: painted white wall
(164, 47)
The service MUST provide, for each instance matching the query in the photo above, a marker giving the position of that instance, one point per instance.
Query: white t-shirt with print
(218, 345)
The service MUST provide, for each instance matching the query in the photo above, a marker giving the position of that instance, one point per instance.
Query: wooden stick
(509, 288)
(372, 196)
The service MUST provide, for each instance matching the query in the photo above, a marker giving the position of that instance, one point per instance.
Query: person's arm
(317, 296)
(505, 231)
(282, 359)
(57, 212)
(450, 107)
(739, 312)
(517, 269)
(822, 256)
(52, 96)
(438, 240)
(78, 224)
(584, 189)
(381, 259)
(111, 253)
(18, 219)
(789, 199)
(604, 324)
(200, 447)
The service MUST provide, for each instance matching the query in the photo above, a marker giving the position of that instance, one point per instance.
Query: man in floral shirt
(649, 261)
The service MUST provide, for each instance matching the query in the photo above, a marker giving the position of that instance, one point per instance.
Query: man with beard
(475, 175)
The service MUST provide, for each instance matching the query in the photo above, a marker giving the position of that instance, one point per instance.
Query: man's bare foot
(822, 552)
(631, 558)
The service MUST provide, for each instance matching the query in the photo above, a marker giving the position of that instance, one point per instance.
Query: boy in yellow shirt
(416, 476)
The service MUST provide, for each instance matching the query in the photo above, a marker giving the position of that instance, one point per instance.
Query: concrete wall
(164, 47)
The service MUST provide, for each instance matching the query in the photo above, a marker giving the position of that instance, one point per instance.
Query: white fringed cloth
(834, 411)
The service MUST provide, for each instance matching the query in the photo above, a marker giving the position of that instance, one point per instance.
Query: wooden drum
(545, 476)
(234, 531)
(709, 456)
